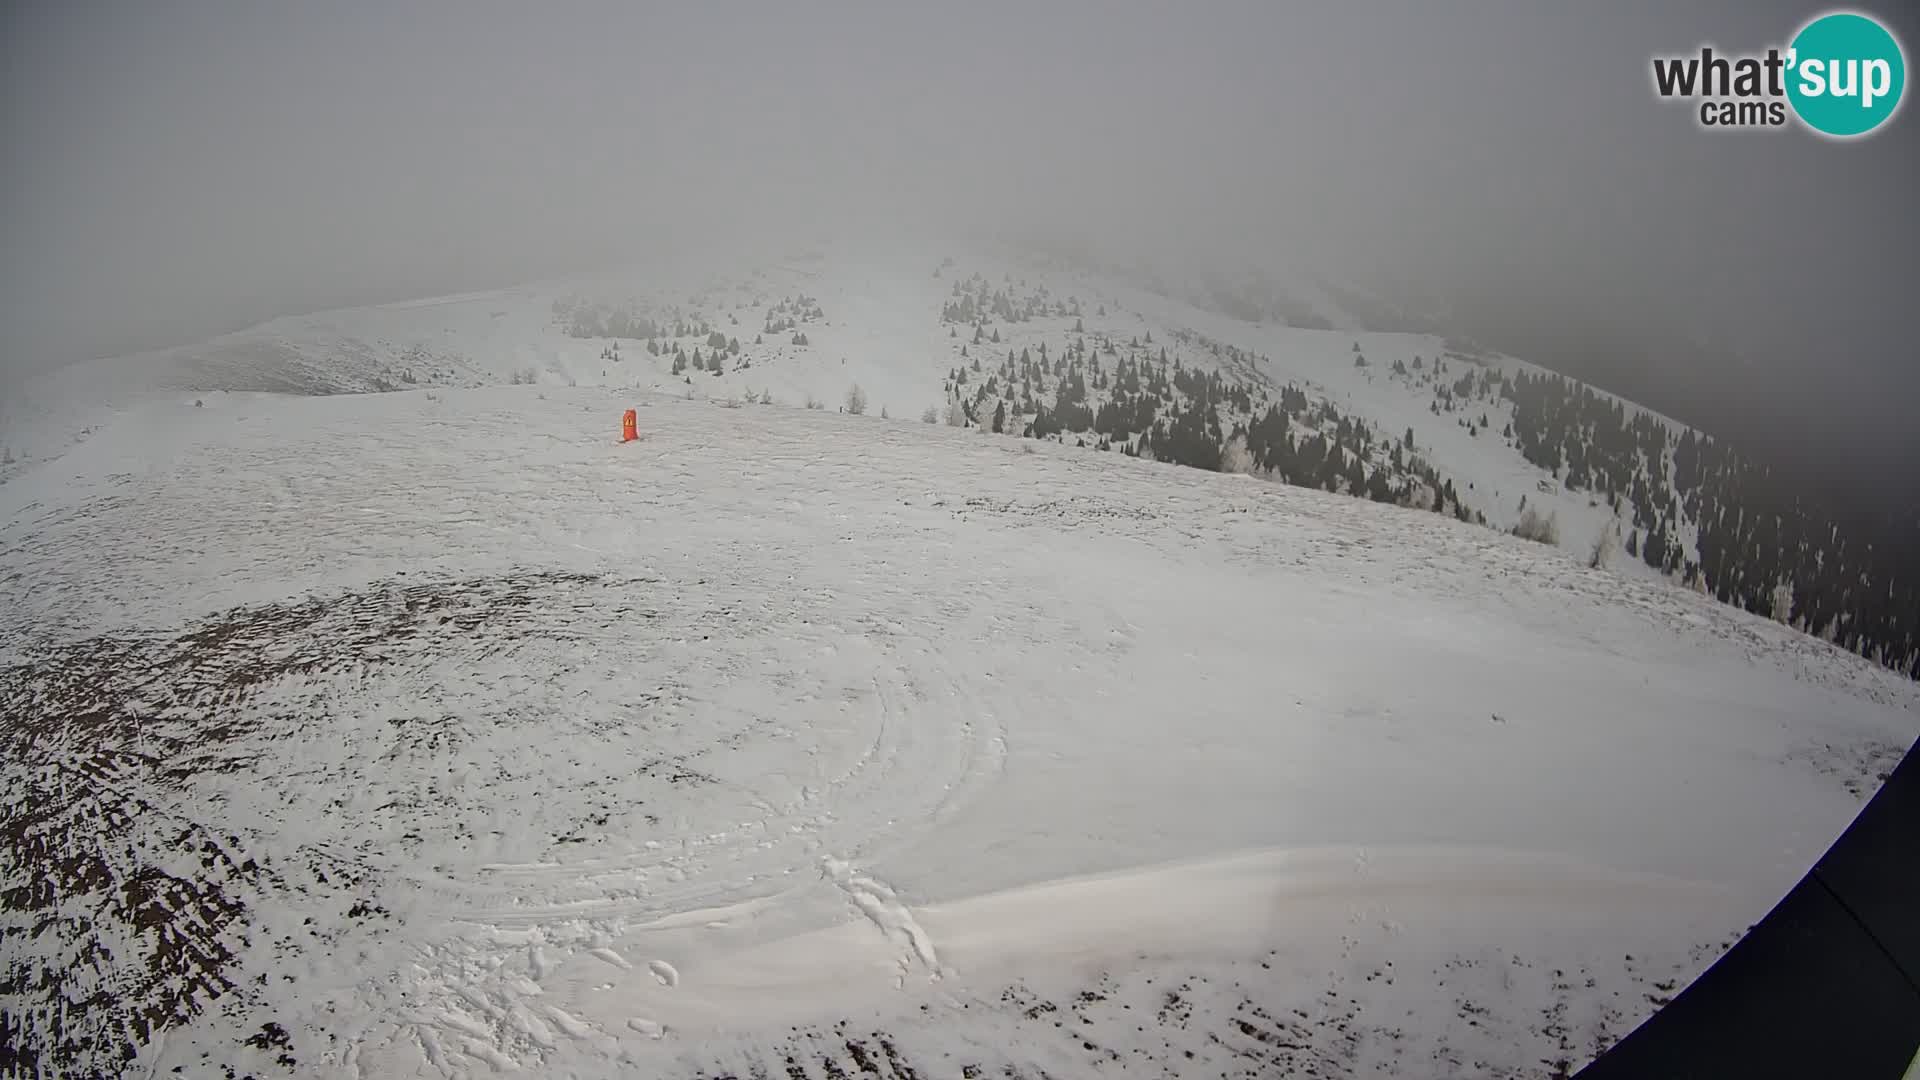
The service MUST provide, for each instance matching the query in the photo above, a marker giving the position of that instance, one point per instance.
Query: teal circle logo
(1846, 74)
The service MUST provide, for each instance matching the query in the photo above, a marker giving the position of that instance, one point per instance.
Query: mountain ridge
(1419, 419)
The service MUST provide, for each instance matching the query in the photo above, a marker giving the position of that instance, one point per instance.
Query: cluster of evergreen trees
(976, 301)
(1150, 404)
(590, 320)
(584, 319)
(790, 312)
(1728, 525)
(714, 360)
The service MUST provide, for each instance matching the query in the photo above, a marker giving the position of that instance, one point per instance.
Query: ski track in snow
(450, 738)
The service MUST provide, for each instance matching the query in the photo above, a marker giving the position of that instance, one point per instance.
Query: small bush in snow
(856, 400)
(1235, 457)
(1782, 602)
(931, 416)
(1602, 548)
(815, 403)
(1539, 528)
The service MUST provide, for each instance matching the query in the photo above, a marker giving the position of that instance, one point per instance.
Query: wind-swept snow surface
(440, 735)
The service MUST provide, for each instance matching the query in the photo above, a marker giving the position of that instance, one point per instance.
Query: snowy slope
(880, 329)
(880, 316)
(1492, 477)
(433, 733)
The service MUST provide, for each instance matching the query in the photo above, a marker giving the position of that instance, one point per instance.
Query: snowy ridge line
(882, 330)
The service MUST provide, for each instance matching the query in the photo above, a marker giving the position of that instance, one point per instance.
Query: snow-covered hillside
(808, 327)
(434, 733)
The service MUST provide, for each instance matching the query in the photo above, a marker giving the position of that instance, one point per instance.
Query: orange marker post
(629, 426)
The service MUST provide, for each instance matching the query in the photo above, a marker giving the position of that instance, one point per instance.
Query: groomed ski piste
(436, 733)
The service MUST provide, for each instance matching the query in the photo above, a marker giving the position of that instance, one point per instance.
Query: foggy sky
(177, 170)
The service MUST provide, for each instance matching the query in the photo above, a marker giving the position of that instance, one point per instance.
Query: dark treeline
(1689, 506)
(1760, 539)
(1138, 400)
